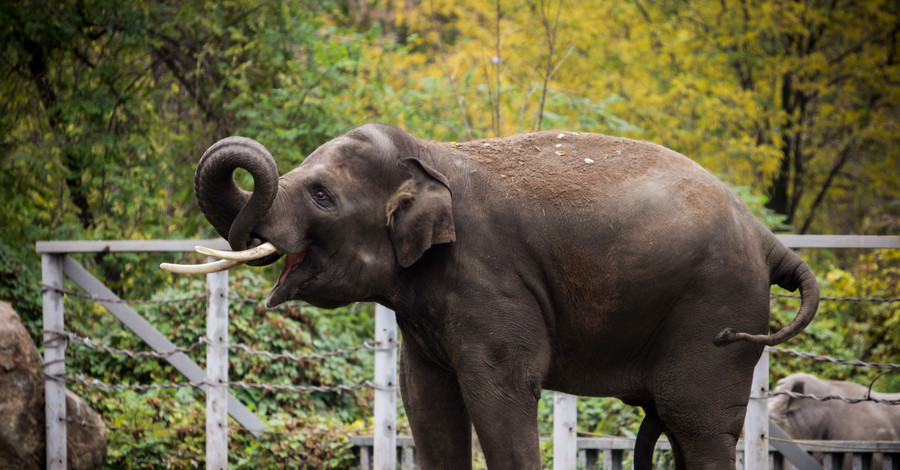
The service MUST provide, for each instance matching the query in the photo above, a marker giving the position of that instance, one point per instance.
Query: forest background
(108, 104)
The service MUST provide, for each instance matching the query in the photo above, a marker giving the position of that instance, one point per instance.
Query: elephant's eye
(321, 197)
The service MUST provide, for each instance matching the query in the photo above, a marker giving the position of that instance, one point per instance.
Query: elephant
(805, 418)
(835, 420)
(577, 262)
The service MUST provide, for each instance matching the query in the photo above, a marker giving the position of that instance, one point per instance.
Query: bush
(165, 428)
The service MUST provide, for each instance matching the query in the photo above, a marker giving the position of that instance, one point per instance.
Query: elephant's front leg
(437, 414)
(502, 399)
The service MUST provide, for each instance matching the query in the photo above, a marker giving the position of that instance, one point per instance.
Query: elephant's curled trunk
(232, 211)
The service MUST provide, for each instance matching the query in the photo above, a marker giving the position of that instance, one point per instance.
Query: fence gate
(214, 382)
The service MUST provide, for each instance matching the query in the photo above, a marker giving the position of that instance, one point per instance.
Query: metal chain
(83, 296)
(373, 345)
(132, 354)
(302, 388)
(293, 357)
(832, 360)
(99, 384)
(93, 298)
(851, 401)
(269, 387)
(190, 427)
(843, 299)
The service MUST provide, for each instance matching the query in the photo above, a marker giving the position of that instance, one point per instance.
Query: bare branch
(550, 39)
(842, 160)
(450, 76)
(497, 60)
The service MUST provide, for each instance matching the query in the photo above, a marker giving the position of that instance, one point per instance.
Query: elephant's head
(797, 416)
(357, 210)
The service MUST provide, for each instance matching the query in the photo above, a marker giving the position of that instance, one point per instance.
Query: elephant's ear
(799, 387)
(419, 213)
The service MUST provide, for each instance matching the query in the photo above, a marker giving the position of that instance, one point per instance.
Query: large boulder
(22, 429)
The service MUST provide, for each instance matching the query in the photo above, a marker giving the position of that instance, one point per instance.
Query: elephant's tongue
(291, 262)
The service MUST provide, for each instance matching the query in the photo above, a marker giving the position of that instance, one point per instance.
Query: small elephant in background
(835, 420)
(575, 262)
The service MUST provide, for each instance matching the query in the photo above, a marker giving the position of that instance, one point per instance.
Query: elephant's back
(571, 168)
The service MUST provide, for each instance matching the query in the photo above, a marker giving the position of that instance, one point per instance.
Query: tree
(796, 100)
(826, 74)
(489, 69)
(108, 105)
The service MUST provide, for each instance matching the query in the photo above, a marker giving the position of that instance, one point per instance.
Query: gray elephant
(805, 418)
(575, 262)
(835, 420)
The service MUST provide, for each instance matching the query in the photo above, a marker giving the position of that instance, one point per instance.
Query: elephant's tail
(644, 446)
(790, 272)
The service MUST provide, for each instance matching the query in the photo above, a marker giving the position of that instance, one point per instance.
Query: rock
(21, 395)
(85, 434)
(22, 429)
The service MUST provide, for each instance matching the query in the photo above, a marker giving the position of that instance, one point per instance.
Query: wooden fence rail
(614, 453)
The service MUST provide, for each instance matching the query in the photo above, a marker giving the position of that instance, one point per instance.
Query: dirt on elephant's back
(565, 167)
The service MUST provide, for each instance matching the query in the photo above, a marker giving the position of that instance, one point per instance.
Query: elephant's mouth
(283, 290)
(290, 263)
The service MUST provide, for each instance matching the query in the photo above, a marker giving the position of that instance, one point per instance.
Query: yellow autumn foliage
(796, 100)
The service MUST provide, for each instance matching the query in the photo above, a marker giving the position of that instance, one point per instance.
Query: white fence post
(565, 431)
(217, 372)
(385, 445)
(54, 362)
(756, 423)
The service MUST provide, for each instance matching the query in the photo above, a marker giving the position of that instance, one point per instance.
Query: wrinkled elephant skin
(575, 262)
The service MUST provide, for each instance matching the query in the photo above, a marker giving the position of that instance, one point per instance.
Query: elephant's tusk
(260, 251)
(214, 267)
(229, 259)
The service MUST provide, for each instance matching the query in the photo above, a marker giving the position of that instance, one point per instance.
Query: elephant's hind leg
(703, 425)
(651, 429)
(708, 452)
(701, 390)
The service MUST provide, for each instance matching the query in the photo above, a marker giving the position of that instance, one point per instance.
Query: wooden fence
(385, 449)
(214, 382)
(614, 453)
